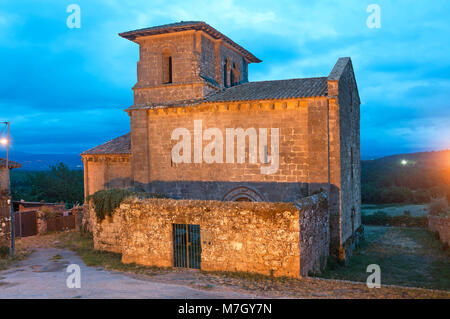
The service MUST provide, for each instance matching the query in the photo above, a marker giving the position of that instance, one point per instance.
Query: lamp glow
(404, 162)
(4, 141)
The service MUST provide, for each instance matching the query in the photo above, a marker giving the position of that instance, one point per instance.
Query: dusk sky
(64, 90)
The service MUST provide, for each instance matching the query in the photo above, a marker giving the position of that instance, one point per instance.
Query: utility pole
(11, 208)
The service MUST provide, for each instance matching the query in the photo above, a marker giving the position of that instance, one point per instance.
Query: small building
(5, 208)
(23, 206)
(200, 130)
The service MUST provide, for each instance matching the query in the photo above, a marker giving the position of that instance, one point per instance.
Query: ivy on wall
(106, 201)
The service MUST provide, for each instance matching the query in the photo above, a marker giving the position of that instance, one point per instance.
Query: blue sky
(64, 90)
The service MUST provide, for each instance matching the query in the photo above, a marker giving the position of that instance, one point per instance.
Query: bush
(396, 194)
(422, 196)
(48, 212)
(382, 219)
(408, 221)
(106, 201)
(4, 251)
(379, 218)
(438, 206)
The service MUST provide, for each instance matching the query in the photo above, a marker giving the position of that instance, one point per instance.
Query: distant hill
(414, 177)
(401, 178)
(39, 162)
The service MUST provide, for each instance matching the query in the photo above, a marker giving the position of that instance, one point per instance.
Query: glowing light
(4, 141)
(404, 162)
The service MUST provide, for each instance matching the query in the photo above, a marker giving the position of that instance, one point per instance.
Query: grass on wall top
(106, 201)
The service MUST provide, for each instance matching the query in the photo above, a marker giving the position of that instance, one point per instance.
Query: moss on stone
(106, 201)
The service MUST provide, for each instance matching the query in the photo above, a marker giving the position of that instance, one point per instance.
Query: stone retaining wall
(5, 228)
(280, 239)
(314, 233)
(441, 225)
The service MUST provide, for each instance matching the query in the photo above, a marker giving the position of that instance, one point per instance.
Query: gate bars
(186, 246)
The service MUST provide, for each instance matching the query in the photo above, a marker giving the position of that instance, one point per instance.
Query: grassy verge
(83, 245)
(6, 261)
(380, 218)
(407, 257)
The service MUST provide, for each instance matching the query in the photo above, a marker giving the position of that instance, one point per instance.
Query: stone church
(192, 85)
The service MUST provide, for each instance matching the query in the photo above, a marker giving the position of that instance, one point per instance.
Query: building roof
(11, 164)
(119, 145)
(269, 90)
(184, 26)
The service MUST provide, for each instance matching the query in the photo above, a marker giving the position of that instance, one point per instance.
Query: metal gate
(60, 223)
(187, 249)
(25, 223)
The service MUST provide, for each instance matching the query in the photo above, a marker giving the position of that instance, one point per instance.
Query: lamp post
(9, 194)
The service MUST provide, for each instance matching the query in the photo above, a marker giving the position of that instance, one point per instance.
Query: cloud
(67, 88)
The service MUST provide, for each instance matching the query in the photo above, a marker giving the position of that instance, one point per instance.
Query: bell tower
(185, 61)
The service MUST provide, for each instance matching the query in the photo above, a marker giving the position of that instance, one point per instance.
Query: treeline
(416, 178)
(411, 178)
(59, 184)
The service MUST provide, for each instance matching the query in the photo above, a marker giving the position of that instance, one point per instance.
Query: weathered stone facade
(281, 239)
(5, 209)
(5, 228)
(317, 118)
(441, 225)
(106, 172)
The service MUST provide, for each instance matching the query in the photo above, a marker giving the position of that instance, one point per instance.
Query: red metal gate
(25, 223)
(60, 223)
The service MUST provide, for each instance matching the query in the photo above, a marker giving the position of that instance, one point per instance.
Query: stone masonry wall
(107, 233)
(345, 167)
(440, 225)
(106, 172)
(262, 238)
(314, 233)
(5, 230)
(4, 179)
(303, 150)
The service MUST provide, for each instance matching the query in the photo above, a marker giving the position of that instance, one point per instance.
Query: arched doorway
(243, 194)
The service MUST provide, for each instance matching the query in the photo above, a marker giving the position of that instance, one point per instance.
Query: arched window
(225, 73)
(167, 67)
(243, 194)
(234, 75)
(232, 83)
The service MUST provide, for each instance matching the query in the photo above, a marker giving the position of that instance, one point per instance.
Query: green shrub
(4, 251)
(438, 206)
(379, 218)
(48, 212)
(106, 201)
(408, 221)
(382, 219)
(396, 194)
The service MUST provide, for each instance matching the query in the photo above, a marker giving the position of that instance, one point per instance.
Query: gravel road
(42, 275)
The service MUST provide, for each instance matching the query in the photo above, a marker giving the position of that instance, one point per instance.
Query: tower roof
(185, 26)
(117, 146)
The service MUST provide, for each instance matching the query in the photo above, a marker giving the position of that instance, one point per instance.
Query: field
(395, 209)
(411, 257)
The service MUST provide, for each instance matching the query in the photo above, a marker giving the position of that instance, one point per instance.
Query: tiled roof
(11, 164)
(184, 26)
(269, 90)
(119, 145)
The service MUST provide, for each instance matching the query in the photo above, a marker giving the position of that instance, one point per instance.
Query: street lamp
(6, 141)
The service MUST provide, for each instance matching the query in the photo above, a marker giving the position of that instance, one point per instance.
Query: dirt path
(42, 275)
